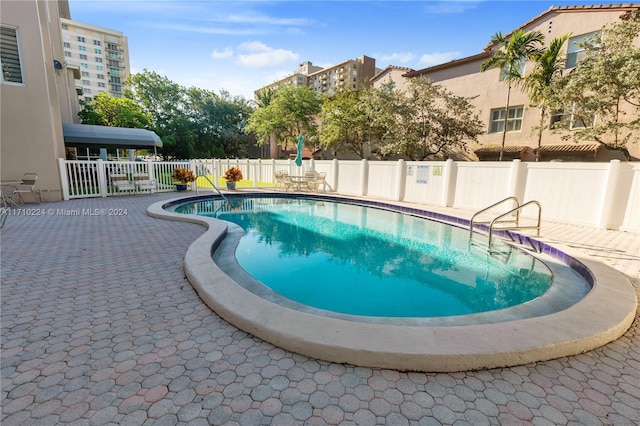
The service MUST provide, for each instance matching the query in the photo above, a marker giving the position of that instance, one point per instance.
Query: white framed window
(83, 65)
(575, 52)
(67, 45)
(97, 51)
(99, 67)
(100, 77)
(86, 82)
(97, 43)
(514, 119)
(82, 48)
(572, 118)
(65, 27)
(81, 39)
(98, 59)
(520, 66)
(83, 56)
(102, 85)
(67, 53)
(10, 55)
(85, 74)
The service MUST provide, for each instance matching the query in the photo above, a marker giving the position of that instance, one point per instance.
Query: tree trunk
(506, 116)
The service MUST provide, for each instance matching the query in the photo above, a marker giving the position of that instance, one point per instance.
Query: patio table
(300, 182)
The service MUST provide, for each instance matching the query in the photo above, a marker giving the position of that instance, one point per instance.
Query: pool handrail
(517, 210)
(517, 220)
(212, 184)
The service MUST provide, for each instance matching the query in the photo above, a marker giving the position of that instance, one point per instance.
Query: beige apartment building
(37, 92)
(101, 54)
(39, 102)
(352, 74)
(463, 77)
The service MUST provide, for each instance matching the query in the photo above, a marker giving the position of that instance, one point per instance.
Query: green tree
(290, 113)
(192, 122)
(348, 122)
(511, 57)
(104, 110)
(548, 66)
(429, 121)
(606, 84)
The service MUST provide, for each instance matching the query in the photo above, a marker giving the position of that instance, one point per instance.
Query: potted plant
(182, 178)
(232, 175)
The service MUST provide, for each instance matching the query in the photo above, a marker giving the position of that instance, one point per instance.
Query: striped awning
(575, 148)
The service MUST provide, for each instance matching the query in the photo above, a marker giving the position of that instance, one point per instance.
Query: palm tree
(516, 49)
(548, 65)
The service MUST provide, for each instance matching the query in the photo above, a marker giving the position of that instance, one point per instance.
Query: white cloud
(397, 57)
(226, 53)
(258, 55)
(431, 59)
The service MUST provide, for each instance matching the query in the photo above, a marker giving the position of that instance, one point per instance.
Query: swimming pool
(359, 260)
(564, 321)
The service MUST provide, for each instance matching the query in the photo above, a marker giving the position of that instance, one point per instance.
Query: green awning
(80, 135)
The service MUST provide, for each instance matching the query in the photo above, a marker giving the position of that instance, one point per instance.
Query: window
(85, 74)
(83, 56)
(97, 43)
(99, 67)
(82, 48)
(100, 76)
(572, 118)
(87, 91)
(67, 54)
(83, 65)
(81, 39)
(10, 56)
(504, 72)
(65, 27)
(514, 119)
(98, 51)
(86, 82)
(575, 52)
(102, 85)
(99, 60)
(67, 45)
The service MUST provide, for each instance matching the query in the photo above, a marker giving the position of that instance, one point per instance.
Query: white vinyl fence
(601, 195)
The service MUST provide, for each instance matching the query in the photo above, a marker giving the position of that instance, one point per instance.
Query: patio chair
(314, 185)
(121, 183)
(26, 186)
(143, 183)
(283, 180)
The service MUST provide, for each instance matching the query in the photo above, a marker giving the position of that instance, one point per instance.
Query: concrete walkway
(100, 326)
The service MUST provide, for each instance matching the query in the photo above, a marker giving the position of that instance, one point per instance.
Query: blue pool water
(359, 260)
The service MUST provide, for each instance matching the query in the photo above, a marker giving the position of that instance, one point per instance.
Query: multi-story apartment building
(488, 91)
(38, 98)
(352, 74)
(101, 54)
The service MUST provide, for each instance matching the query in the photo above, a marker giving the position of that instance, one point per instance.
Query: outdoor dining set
(310, 181)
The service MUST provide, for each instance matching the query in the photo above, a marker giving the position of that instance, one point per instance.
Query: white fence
(601, 195)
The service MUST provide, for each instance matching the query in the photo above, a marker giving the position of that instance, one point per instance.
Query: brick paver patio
(100, 326)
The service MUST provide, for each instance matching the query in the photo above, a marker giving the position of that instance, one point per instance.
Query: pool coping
(586, 325)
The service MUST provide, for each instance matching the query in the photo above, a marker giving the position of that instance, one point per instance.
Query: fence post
(449, 187)
(364, 176)
(401, 180)
(102, 178)
(258, 173)
(517, 180)
(336, 169)
(64, 181)
(612, 196)
(192, 167)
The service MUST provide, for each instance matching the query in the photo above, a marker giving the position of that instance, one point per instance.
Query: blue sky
(240, 46)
